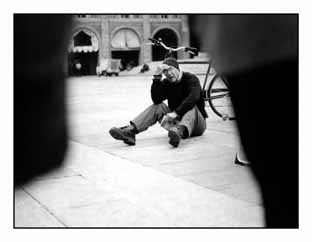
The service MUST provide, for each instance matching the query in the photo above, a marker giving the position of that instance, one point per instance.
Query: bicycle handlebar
(159, 42)
(154, 41)
(191, 50)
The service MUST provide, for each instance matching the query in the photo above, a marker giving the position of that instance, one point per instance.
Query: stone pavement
(105, 183)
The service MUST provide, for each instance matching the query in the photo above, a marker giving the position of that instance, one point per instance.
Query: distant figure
(185, 114)
(144, 68)
(78, 67)
(129, 65)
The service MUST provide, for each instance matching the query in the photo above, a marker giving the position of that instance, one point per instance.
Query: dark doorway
(129, 58)
(170, 38)
(82, 64)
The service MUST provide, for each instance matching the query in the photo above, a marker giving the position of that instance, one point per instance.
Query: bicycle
(217, 95)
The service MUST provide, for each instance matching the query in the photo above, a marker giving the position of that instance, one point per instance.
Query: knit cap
(171, 62)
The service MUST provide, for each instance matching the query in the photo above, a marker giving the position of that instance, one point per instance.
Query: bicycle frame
(207, 73)
(209, 62)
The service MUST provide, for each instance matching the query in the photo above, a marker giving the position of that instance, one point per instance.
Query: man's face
(172, 74)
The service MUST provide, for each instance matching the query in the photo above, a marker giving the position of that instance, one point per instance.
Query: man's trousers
(192, 120)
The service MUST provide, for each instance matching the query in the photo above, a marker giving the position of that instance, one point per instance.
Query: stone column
(104, 44)
(185, 35)
(146, 50)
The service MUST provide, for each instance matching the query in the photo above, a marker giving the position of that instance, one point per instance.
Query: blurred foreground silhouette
(258, 55)
(40, 133)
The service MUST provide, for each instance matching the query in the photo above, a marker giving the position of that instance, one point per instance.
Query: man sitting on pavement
(185, 114)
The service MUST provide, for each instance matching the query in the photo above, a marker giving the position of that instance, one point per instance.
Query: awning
(89, 48)
(125, 39)
(84, 49)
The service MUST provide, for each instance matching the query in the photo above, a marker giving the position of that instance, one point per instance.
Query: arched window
(84, 41)
(125, 39)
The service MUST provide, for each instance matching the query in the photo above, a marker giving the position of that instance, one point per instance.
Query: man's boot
(126, 133)
(175, 134)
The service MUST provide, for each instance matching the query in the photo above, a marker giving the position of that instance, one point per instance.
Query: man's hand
(172, 116)
(161, 68)
(169, 120)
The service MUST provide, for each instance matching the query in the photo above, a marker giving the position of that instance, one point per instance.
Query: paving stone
(66, 192)
(57, 173)
(236, 181)
(29, 213)
(116, 192)
(163, 199)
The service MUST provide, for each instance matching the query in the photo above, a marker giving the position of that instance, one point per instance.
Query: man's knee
(160, 105)
(198, 131)
(194, 122)
(161, 108)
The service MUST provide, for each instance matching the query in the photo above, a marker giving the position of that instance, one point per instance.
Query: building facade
(95, 38)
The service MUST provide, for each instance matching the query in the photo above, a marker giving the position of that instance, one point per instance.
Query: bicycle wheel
(219, 99)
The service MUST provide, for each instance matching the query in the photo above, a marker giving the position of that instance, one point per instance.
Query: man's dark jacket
(181, 96)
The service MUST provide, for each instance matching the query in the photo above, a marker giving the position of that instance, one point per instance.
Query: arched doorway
(83, 53)
(126, 47)
(170, 38)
